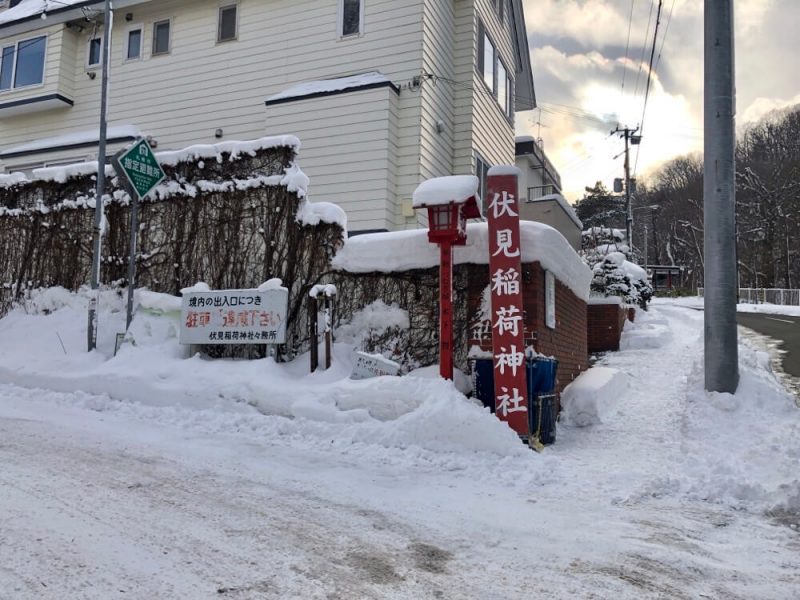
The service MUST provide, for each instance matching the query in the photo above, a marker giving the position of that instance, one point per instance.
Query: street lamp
(450, 202)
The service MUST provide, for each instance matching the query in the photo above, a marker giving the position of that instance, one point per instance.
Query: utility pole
(627, 134)
(101, 183)
(719, 201)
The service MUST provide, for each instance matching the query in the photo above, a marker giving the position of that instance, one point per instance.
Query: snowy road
(100, 499)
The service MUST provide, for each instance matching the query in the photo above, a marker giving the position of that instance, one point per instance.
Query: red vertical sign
(505, 271)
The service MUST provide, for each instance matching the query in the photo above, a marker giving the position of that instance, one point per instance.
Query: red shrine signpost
(450, 202)
(505, 271)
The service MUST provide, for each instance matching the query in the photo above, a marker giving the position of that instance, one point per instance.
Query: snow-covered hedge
(232, 215)
(615, 276)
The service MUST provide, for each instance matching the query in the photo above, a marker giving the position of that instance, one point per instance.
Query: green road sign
(141, 168)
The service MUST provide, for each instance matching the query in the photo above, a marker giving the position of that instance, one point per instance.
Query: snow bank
(593, 397)
(744, 445)
(43, 344)
(406, 250)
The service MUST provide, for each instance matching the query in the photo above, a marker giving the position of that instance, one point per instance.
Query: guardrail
(780, 296)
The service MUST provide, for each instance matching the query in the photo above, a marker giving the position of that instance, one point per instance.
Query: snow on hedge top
(322, 86)
(406, 250)
(29, 8)
(76, 137)
(633, 271)
(444, 190)
(235, 149)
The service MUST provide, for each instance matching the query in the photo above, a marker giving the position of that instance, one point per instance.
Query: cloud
(578, 50)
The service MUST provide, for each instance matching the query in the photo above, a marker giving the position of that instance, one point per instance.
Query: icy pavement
(672, 494)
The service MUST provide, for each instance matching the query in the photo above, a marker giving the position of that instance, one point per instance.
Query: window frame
(506, 108)
(90, 65)
(483, 178)
(168, 21)
(126, 45)
(223, 7)
(13, 86)
(340, 21)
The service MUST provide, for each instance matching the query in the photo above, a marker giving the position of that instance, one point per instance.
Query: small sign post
(505, 271)
(139, 171)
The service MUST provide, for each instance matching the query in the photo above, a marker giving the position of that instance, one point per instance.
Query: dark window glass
(482, 173)
(161, 37)
(351, 17)
(6, 67)
(227, 24)
(30, 62)
(134, 44)
(94, 51)
(13, 3)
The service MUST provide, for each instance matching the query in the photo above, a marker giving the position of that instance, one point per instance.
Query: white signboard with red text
(234, 317)
(505, 271)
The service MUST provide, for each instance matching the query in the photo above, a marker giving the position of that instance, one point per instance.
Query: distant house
(540, 188)
(383, 94)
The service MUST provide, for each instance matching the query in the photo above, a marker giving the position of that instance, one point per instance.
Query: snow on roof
(562, 202)
(29, 8)
(444, 190)
(406, 250)
(76, 137)
(309, 88)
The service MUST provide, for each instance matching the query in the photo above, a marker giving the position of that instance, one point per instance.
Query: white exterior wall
(201, 85)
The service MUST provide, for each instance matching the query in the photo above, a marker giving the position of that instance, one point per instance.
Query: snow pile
(593, 397)
(743, 446)
(373, 320)
(43, 344)
(406, 250)
(327, 86)
(234, 148)
(444, 190)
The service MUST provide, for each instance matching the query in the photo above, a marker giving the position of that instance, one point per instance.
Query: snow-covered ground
(768, 309)
(152, 475)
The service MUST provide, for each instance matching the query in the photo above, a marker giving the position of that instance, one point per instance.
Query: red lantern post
(450, 202)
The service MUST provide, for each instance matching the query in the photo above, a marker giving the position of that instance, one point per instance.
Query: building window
(161, 37)
(22, 64)
(7, 67)
(482, 173)
(495, 74)
(95, 52)
(351, 17)
(226, 30)
(487, 62)
(133, 44)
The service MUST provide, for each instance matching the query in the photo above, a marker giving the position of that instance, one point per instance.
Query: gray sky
(578, 55)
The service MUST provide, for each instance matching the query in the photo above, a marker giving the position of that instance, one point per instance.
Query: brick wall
(567, 341)
(605, 323)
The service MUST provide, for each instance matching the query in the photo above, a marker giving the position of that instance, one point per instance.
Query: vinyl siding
(347, 151)
(181, 98)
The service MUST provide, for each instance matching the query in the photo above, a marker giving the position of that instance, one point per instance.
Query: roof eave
(525, 92)
(56, 16)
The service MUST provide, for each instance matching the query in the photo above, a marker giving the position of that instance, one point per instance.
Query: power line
(644, 49)
(627, 48)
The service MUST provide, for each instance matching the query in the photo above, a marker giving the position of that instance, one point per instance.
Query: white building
(540, 190)
(382, 93)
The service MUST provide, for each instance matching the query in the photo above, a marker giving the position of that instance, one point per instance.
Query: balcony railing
(539, 191)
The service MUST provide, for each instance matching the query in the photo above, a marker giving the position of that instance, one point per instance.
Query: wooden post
(312, 333)
(446, 310)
